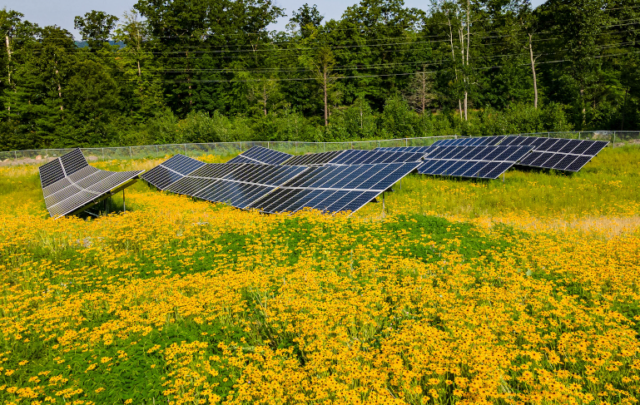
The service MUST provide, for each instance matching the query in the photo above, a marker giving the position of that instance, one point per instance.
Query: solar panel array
(334, 188)
(354, 157)
(408, 149)
(70, 185)
(346, 180)
(313, 159)
(560, 154)
(476, 141)
(238, 184)
(167, 173)
(483, 162)
(260, 155)
(363, 157)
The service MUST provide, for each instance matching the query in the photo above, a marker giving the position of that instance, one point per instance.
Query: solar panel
(167, 173)
(334, 188)
(473, 141)
(362, 157)
(260, 155)
(556, 153)
(238, 184)
(70, 185)
(407, 149)
(313, 159)
(484, 162)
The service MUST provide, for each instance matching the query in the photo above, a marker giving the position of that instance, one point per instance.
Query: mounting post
(124, 202)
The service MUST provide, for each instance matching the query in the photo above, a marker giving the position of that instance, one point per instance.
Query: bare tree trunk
(624, 106)
(59, 87)
(139, 70)
(424, 90)
(8, 67)
(466, 79)
(453, 58)
(584, 109)
(533, 71)
(326, 105)
(466, 97)
(264, 98)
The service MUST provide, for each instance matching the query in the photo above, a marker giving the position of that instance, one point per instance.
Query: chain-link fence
(616, 138)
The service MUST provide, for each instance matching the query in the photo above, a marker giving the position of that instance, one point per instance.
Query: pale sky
(62, 12)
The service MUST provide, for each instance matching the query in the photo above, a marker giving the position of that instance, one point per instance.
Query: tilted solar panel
(556, 153)
(260, 155)
(167, 173)
(313, 159)
(483, 162)
(80, 186)
(362, 157)
(238, 184)
(407, 149)
(334, 188)
(474, 141)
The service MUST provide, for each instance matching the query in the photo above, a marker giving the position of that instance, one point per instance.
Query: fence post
(406, 142)
(613, 142)
(130, 152)
(185, 149)
(15, 154)
(102, 153)
(268, 144)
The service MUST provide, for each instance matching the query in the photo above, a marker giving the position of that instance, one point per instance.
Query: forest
(174, 71)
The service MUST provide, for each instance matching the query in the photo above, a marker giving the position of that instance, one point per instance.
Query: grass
(522, 291)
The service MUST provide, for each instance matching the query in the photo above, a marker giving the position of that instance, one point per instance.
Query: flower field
(525, 291)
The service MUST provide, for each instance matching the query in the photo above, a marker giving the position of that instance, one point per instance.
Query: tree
(95, 27)
(306, 18)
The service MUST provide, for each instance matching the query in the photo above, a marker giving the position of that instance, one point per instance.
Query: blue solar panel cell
(578, 164)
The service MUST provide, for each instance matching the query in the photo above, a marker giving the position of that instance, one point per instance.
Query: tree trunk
(326, 105)
(533, 72)
(139, 70)
(59, 87)
(624, 106)
(584, 109)
(8, 67)
(466, 96)
(264, 98)
(453, 58)
(424, 91)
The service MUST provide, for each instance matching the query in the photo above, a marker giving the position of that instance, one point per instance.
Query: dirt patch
(39, 160)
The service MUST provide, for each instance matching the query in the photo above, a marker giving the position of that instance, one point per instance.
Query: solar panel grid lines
(556, 153)
(334, 188)
(170, 171)
(359, 157)
(51, 172)
(487, 162)
(261, 155)
(238, 184)
(406, 149)
(81, 184)
(313, 159)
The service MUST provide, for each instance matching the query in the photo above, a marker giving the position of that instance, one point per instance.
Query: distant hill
(84, 44)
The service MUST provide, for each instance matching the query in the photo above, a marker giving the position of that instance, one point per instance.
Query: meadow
(517, 291)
